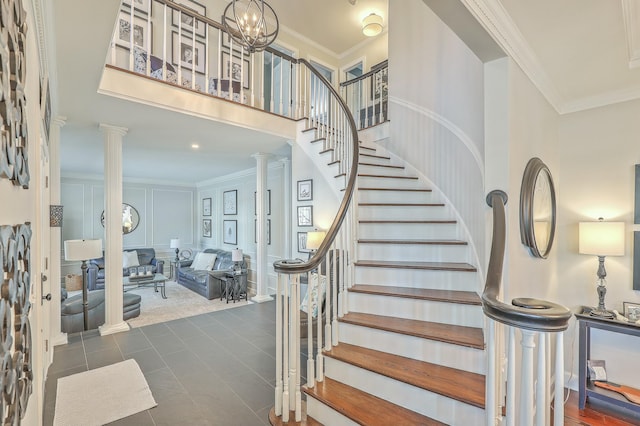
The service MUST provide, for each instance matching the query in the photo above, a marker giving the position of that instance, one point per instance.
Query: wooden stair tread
(438, 266)
(402, 204)
(396, 189)
(455, 334)
(389, 166)
(364, 154)
(449, 296)
(364, 408)
(456, 384)
(411, 241)
(318, 140)
(387, 176)
(305, 421)
(326, 150)
(365, 147)
(410, 221)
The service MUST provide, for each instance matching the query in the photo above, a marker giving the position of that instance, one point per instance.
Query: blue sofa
(204, 283)
(95, 269)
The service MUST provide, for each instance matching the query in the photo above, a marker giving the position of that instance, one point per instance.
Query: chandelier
(252, 23)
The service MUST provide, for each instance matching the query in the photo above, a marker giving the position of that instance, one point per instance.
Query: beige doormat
(100, 396)
(180, 303)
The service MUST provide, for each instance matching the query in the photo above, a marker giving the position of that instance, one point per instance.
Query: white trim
(274, 165)
(458, 132)
(59, 339)
(261, 299)
(599, 100)
(631, 18)
(143, 181)
(343, 69)
(112, 329)
(333, 69)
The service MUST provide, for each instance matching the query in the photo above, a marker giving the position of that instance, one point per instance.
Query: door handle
(43, 277)
(47, 297)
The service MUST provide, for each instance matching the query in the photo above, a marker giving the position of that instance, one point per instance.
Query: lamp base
(602, 313)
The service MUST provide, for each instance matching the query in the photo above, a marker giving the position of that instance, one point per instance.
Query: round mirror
(537, 208)
(130, 218)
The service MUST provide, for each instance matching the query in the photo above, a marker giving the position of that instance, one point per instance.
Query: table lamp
(236, 258)
(175, 244)
(83, 250)
(601, 239)
(314, 239)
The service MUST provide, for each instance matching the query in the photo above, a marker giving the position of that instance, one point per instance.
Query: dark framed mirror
(537, 209)
(130, 218)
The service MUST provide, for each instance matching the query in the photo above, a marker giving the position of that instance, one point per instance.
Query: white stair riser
(377, 170)
(454, 356)
(418, 278)
(371, 196)
(376, 182)
(408, 230)
(373, 160)
(414, 252)
(424, 310)
(326, 415)
(416, 399)
(403, 213)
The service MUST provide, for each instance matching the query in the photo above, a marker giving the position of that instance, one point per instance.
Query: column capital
(261, 155)
(108, 128)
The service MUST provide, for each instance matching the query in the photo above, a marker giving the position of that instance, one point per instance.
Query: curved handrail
(296, 267)
(526, 313)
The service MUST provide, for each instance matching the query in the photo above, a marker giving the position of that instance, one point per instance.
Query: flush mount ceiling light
(252, 23)
(372, 25)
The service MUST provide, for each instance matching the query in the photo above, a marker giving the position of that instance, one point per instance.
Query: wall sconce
(601, 239)
(55, 216)
(372, 25)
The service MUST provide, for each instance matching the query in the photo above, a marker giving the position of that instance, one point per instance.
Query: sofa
(208, 284)
(72, 319)
(146, 257)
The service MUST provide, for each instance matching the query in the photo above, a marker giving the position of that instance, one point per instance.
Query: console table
(585, 389)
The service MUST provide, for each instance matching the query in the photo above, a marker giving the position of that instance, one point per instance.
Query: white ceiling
(576, 51)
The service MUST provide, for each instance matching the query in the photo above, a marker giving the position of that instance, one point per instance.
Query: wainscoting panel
(171, 216)
(72, 198)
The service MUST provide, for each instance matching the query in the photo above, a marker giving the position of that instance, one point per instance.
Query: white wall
(245, 184)
(436, 109)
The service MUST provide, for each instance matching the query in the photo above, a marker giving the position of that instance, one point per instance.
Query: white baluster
(334, 323)
(294, 327)
(490, 385)
(298, 394)
(319, 356)
(558, 397)
(281, 84)
(286, 322)
(279, 307)
(511, 377)
(527, 344)
(310, 364)
(262, 85)
(541, 381)
(271, 101)
(328, 304)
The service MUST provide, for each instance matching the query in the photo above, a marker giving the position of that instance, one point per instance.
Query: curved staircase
(411, 343)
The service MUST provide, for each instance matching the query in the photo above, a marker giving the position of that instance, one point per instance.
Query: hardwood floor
(592, 415)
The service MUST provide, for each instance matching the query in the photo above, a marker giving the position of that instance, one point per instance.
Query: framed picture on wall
(185, 21)
(255, 231)
(206, 207)
(230, 230)
(230, 202)
(236, 69)
(302, 242)
(305, 215)
(255, 202)
(305, 190)
(206, 228)
(186, 54)
(142, 30)
(141, 6)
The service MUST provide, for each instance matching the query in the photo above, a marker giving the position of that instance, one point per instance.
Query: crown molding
(600, 100)
(497, 22)
(308, 41)
(631, 19)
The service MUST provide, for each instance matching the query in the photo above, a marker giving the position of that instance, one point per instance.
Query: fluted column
(57, 336)
(113, 290)
(261, 228)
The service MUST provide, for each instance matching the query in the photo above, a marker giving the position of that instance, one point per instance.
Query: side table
(173, 269)
(233, 285)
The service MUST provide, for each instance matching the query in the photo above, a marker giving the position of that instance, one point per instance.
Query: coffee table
(158, 281)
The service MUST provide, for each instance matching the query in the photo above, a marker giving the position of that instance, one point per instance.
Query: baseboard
(112, 329)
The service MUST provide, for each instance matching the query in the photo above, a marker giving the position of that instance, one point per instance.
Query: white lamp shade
(236, 255)
(175, 243)
(314, 239)
(601, 238)
(372, 25)
(82, 249)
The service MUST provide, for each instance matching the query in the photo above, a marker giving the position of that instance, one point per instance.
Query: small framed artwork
(305, 215)
(206, 228)
(230, 202)
(185, 21)
(230, 230)
(305, 190)
(187, 55)
(302, 243)
(138, 5)
(255, 232)
(206, 207)
(631, 311)
(380, 84)
(140, 29)
(236, 69)
(255, 202)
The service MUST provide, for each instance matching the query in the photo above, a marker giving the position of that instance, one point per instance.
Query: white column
(286, 206)
(113, 290)
(261, 228)
(57, 336)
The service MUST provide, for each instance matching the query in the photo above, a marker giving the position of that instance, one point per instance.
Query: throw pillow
(129, 259)
(314, 289)
(203, 261)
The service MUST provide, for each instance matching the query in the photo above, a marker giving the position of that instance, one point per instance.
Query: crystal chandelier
(252, 23)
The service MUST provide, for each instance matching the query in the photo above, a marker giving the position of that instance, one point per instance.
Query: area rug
(180, 303)
(100, 396)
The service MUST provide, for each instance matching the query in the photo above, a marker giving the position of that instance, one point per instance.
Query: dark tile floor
(211, 369)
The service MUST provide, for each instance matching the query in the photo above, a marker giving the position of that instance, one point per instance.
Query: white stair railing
(534, 323)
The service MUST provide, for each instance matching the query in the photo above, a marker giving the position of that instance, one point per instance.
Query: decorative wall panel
(16, 377)
(14, 164)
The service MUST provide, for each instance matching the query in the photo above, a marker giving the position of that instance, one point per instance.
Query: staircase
(411, 347)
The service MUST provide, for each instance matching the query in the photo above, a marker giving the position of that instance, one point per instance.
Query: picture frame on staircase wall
(305, 215)
(185, 21)
(305, 190)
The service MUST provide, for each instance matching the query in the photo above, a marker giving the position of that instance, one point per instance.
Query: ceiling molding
(308, 41)
(497, 22)
(631, 18)
(141, 181)
(600, 100)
